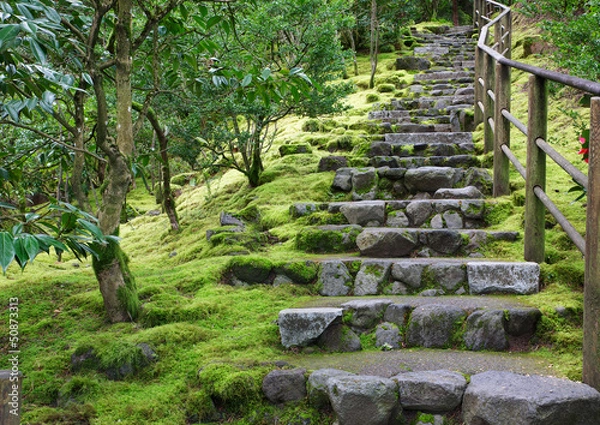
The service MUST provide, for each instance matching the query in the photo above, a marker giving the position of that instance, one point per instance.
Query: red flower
(583, 151)
(582, 140)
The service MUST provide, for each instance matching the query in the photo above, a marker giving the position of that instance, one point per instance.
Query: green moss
(232, 386)
(311, 126)
(78, 389)
(303, 272)
(385, 88)
(294, 149)
(127, 295)
(372, 97)
(327, 240)
(499, 212)
(199, 407)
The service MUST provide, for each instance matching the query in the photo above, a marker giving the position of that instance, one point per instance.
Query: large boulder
(434, 391)
(408, 273)
(387, 336)
(364, 315)
(434, 325)
(448, 275)
(371, 277)
(485, 331)
(500, 398)
(430, 179)
(384, 242)
(317, 385)
(367, 213)
(506, 278)
(361, 400)
(334, 279)
(282, 386)
(522, 321)
(302, 326)
(339, 338)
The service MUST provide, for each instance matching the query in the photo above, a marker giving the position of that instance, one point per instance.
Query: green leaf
(7, 250)
(7, 206)
(27, 248)
(46, 241)
(37, 50)
(92, 228)
(247, 80)
(266, 73)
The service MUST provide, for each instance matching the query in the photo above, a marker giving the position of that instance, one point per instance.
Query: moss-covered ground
(215, 342)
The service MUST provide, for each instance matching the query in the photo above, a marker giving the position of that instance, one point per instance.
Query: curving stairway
(421, 289)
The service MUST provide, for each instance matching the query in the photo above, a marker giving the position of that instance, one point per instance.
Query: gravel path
(390, 363)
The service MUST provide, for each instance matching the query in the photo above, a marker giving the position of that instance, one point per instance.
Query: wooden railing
(493, 65)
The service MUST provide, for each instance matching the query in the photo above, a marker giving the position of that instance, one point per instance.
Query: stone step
(419, 128)
(394, 183)
(390, 242)
(400, 322)
(454, 138)
(420, 213)
(429, 278)
(428, 397)
(386, 242)
(455, 161)
(438, 102)
(444, 76)
(420, 149)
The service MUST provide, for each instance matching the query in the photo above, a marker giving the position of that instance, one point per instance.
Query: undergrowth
(214, 342)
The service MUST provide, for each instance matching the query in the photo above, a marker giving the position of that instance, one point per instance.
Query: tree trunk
(374, 48)
(455, 12)
(79, 162)
(116, 283)
(167, 199)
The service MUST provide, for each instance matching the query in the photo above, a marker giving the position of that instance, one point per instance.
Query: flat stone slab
(302, 326)
(505, 278)
(434, 391)
(500, 398)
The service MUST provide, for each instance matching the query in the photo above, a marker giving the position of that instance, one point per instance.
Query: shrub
(386, 88)
(372, 97)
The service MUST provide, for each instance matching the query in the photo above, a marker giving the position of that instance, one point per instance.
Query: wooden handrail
(493, 65)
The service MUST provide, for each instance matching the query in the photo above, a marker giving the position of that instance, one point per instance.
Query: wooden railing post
(502, 131)
(591, 296)
(488, 102)
(479, 66)
(536, 170)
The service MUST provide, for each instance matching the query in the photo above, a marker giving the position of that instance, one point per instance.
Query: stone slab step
(438, 102)
(395, 325)
(426, 213)
(370, 183)
(444, 76)
(385, 242)
(492, 397)
(456, 161)
(404, 150)
(428, 277)
(422, 139)
(420, 128)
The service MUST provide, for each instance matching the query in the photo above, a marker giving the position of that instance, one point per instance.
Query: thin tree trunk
(455, 12)
(353, 47)
(116, 282)
(79, 161)
(374, 48)
(168, 201)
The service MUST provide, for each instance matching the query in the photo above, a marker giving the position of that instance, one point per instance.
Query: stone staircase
(401, 263)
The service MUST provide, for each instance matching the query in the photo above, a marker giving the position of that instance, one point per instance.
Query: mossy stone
(302, 272)
(251, 269)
